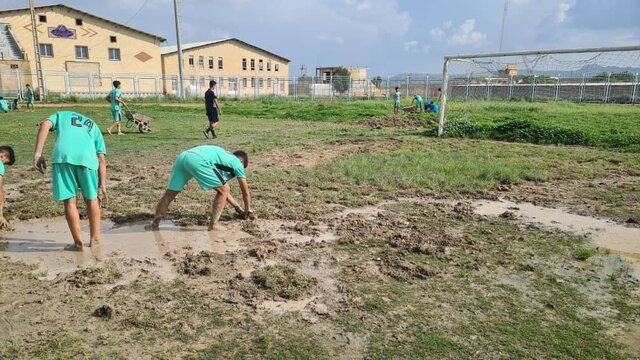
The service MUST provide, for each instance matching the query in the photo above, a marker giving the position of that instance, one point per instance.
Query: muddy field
(334, 266)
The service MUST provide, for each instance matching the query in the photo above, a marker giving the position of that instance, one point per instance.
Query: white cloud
(467, 35)
(436, 34)
(561, 13)
(363, 6)
(414, 46)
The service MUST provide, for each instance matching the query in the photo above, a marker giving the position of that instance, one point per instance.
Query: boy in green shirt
(115, 99)
(212, 167)
(30, 98)
(7, 157)
(78, 162)
(396, 104)
(3, 105)
(418, 100)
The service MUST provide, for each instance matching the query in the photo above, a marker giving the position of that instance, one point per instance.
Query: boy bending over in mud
(212, 167)
(7, 157)
(78, 162)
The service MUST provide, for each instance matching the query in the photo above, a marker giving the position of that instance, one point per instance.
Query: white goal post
(608, 74)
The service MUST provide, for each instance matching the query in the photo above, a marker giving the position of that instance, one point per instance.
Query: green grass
(607, 126)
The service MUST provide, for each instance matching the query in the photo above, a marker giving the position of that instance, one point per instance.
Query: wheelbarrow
(139, 120)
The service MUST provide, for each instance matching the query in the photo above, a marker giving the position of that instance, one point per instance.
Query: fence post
(18, 84)
(466, 88)
(350, 90)
(582, 88)
(488, 89)
(443, 104)
(533, 88)
(635, 89)
(607, 86)
(386, 93)
(557, 94)
(67, 83)
(407, 95)
(426, 88)
(511, 87)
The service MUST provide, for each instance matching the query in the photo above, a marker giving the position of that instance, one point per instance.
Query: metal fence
(579, 88)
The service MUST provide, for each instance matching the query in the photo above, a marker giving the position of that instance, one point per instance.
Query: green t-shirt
(29, 94)
(1, 168)
(418, 98)
(3, 105)
(79, 140)
(115, 93)
(397, 96)
(227, 164)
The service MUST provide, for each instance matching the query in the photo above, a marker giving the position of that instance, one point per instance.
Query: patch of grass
(283, 281)
(583, 254)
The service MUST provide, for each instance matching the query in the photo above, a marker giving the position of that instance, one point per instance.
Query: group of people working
(420, 105)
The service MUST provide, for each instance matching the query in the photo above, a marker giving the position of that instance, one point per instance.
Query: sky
(387, 36)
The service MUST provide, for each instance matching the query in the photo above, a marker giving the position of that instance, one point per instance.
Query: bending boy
(78, 162)
(212, 167)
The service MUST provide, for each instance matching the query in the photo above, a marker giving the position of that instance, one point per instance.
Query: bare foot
(95, 242)
(109, 131)
(120, 133)
(74, 247)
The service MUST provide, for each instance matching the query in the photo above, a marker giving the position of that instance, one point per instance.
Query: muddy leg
(162, 207)
(218, 204)
(73, 220)
(93, 213)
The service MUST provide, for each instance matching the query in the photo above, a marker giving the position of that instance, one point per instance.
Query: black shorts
(213, 117)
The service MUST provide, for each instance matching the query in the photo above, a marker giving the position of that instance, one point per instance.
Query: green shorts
(29, 101)
(117, 116)
(397, 104)
(419, 104)
(67, 178)
(191, 165)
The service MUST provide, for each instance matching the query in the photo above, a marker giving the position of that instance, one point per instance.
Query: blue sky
(387, 36)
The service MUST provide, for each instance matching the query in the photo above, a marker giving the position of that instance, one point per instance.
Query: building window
(260, 83)
(201, 82)
(268, 65)
(174, 84)
(260, 64)
(46, 50)
(42, 18)
(244, 82)
(82, 52)
(276, 67)
(191, 61)
(282, 86)
(253, 64)
(211, 62)
(253, 82)
(244, 64)
(113, 39)
(79, 22)
(201, 62)
(269, 82)
(114, 54)
(220, 63)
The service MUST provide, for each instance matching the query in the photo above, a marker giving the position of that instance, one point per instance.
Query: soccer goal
(598, 75)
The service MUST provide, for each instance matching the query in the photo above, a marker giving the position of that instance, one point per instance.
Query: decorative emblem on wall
(88, 31)
(143, 56)
(61, 31)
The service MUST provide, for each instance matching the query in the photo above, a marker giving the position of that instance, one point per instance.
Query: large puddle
(42, 243)
(607, 234)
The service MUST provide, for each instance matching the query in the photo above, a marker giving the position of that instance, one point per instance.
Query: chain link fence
(578, 88)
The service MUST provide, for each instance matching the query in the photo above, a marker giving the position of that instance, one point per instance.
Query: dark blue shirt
(209, 105)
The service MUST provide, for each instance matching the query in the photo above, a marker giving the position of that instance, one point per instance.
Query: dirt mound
(281, 281)
(263, 250)
(200, 264)
(108, 273)
(393, 122)
(405, 270)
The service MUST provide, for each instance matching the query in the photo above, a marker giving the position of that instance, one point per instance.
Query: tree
(542, 79)
(341, 79)
(624, 76)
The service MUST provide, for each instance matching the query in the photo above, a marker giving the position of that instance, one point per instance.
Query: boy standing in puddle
(7, 157)
(78, 163)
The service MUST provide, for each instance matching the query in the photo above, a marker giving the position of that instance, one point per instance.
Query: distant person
(418, 100)
(431, 107)
(3, 105)
(15, 104)
(30, 98)
(212, 109)
(115, 99)
(396, 103)
(212, 167)
(78, 163)
(7, 157)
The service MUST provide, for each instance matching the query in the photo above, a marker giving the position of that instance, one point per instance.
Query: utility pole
(180, 60)
(36, 48)
(504, 20)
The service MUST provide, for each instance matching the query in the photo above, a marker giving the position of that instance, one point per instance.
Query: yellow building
(239, 68)
(81, 53)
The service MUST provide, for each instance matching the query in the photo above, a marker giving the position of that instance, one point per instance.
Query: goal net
(607, 75)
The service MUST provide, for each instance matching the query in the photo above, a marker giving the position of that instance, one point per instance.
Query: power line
(504, 20)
